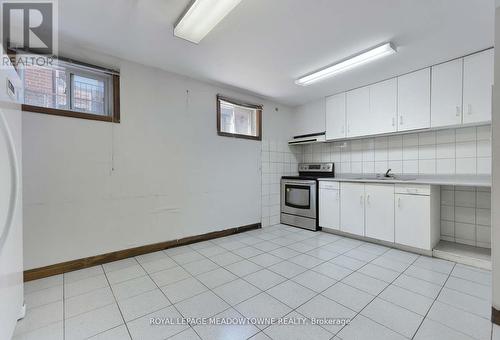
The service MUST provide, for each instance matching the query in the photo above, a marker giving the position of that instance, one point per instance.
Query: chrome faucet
(388, 174)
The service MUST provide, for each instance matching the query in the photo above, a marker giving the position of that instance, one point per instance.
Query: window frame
(257, 108)
(111, 96)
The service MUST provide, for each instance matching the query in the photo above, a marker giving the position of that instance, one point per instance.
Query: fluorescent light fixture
(347, 64)
(201, 16)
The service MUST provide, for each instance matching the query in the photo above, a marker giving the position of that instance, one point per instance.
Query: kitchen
(318, 179)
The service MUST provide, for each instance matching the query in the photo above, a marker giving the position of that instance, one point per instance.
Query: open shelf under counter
(462, 253)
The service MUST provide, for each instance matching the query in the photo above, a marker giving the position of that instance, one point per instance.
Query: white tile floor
(277, 272)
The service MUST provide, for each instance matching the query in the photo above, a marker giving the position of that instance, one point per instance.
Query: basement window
(238, 119)
(72, 89)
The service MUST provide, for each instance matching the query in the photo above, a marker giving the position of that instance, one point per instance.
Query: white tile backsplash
(466, 215)
(450, 151)
(278, 159)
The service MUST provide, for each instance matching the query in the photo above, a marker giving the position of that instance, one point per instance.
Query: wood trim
(65, 113)
(239, 102)
(258, 108)
(495, 316)
(116, 98)
(64, 267)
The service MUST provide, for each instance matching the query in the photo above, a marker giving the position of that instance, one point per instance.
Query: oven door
(298, 197)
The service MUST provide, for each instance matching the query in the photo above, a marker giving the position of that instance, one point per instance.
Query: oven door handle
(299, 182)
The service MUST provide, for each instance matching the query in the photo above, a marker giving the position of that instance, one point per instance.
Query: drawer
(329, 185)
(416, 189)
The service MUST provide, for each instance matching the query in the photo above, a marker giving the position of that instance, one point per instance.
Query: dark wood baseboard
(495, 316)
(64, 267)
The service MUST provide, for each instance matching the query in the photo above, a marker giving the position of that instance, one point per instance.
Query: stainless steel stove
(299, 195)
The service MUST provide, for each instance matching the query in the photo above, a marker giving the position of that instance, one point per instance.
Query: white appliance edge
(11, 217)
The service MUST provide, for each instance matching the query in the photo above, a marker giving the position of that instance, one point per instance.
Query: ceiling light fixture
(347, 64)
(200, 17)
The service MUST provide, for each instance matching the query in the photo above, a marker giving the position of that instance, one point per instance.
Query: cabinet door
(352, 208)
(383, 107)
(414, 100)
(478, 81)
(412, 221)
(446, 96)
(309, 118)
(358, 109)
(335, 116)
(329, 208)
(379, 211)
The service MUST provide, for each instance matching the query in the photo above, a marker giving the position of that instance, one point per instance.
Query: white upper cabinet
(358, 109)
(335, 116)
(372, 110)
(309, 118)
(383, 108)
(449, 94)
(414, 100)
(446, 97)
(478, 81)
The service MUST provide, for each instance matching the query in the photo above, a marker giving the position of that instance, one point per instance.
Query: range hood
(308, 139)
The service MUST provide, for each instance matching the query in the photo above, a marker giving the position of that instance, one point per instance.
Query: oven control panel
(316, 167)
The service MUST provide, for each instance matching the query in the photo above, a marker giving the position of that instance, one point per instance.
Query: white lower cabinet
(403, 214)
(352, 208)
(329, 205)
(417, 216)
(379, 211)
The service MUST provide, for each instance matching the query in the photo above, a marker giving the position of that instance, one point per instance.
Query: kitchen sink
(383, 178)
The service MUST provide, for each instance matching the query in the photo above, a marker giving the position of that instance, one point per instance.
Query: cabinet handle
(400, 119)
(469, 109)
(458, 111)
(361, 199)
(368, 199)
(399, 202)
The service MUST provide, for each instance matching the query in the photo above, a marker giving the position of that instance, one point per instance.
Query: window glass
(238, 120)
(45, 87)
(69, 87)
(88, 95)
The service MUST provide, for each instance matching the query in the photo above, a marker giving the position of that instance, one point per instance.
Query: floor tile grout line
(247, 281)
(459, 308)
(435, 299)
(320, 293)
(110, 286)
(302, 252)
(376, 296)
(171, 304)
(409, 265)
(357, 313)
(261, 291)
(117, 304)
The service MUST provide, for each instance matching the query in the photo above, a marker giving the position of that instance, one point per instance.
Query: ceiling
(262, 46)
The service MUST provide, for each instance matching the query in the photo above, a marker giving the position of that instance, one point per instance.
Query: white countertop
(461, 180)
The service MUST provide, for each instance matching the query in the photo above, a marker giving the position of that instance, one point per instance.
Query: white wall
(495, 196)
(161, 174)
